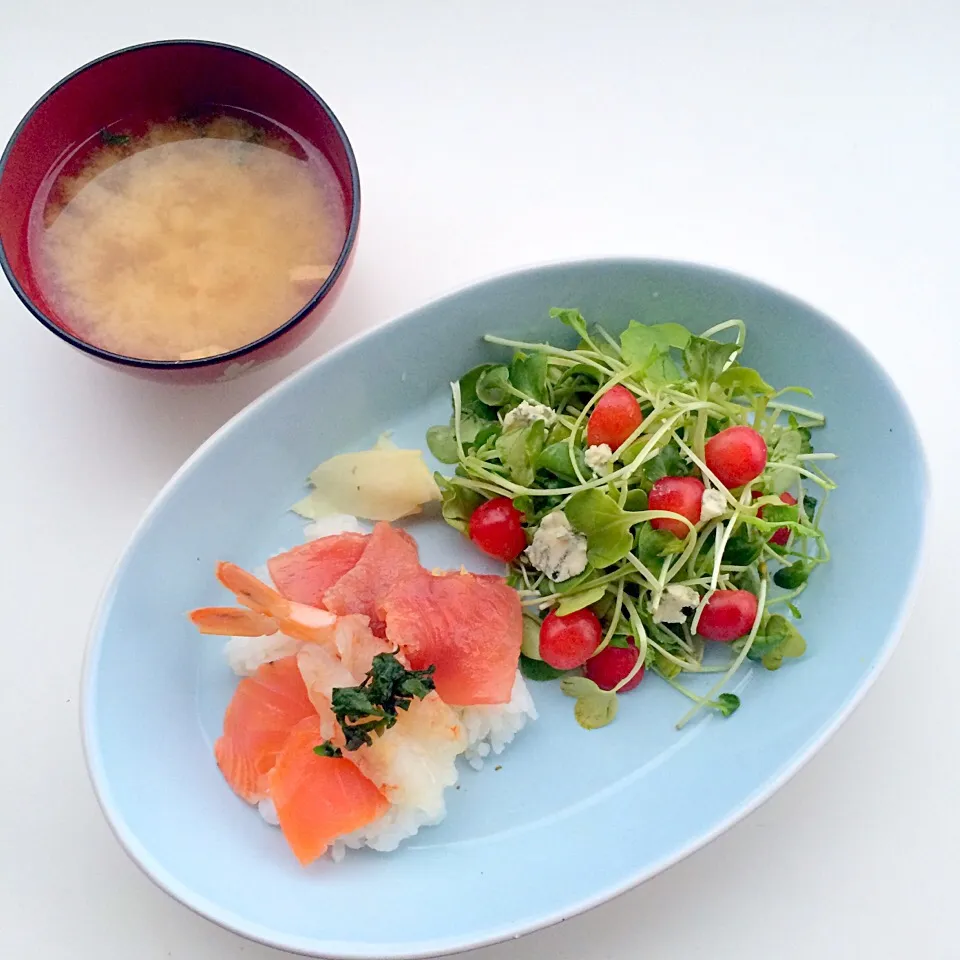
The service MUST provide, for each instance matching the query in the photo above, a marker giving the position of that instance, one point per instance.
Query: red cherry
(736, 456)
(683, 495)
(729, 614)
(616, 415)
(567, 642)
(496, 528)
(612, 664)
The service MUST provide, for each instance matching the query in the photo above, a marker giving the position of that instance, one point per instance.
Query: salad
(657, 502)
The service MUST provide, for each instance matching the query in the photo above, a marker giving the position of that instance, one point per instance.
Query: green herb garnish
(113, 139)
(327, 749)
(371, 708)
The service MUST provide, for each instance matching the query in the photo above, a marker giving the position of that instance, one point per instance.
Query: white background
(814, 145)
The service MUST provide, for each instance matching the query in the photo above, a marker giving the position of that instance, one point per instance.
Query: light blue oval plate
(562, 826)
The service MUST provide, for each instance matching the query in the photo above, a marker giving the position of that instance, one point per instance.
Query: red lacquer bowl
(159, 80)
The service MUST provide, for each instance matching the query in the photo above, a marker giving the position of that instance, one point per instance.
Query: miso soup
(187, 239)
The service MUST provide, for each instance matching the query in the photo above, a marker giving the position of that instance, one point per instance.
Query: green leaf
(674, 546)
(668, 462)
(530, 644)
(705, 359)
(727, 703)
(777, 639)
(809, 506)
(650, 546)
(744, 546)
(596, 710)
(578, 601)
(639, 344)
(621, 642)
(443, 444)
(636, 500)
(529, 375)
(794, 611)
(519, 450)
(748, 579)
(538, 670)
(648, 349)
(781, 513)
(457, 503)
(470, 403)
(327, 749)
(665, 667)
(606, 527)
(474, 432)
(528, 506)
(572, 318)
(493, 386)
(577, 686)
(793, 576)
(555, 458)
(744, 382)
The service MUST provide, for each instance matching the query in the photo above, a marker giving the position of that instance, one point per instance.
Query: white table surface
(814, 145)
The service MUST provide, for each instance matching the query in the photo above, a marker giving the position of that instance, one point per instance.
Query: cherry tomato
(782, 535)
(567, 642)
(736, 455)
(611, 665)
(616, 415)
(683, 495)
(496, 528)
(728, 614)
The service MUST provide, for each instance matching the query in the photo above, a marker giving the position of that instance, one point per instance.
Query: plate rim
(415, 950)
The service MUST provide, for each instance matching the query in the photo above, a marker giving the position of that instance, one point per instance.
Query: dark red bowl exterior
(160, 80)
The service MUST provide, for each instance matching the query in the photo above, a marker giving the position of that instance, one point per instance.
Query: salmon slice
(319, 798)
(390, 558)
(263, 711)
(468, 626)
(305, 573)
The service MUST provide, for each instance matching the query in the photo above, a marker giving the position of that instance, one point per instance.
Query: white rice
(269, 812)
(387, 833)
(487, 730)
(490, 728)
(247, 654)
(332, 525)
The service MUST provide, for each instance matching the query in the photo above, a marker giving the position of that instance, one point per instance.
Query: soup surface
(188, 239)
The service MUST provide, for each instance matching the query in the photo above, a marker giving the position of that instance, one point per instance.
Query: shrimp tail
(232, 622)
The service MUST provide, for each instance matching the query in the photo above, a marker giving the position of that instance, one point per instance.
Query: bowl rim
(238, 352)
(426, 948)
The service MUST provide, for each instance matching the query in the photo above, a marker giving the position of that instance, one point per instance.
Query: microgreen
(689, 388)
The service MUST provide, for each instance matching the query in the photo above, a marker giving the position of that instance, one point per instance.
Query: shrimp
(232, 622)
(267, 611)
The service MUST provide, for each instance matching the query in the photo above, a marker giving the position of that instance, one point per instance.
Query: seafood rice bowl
(367, 682)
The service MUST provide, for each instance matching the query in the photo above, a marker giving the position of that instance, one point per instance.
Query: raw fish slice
(305, 573)
(263, 711)
(319, 798)
(390, 558)
(468, 626)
